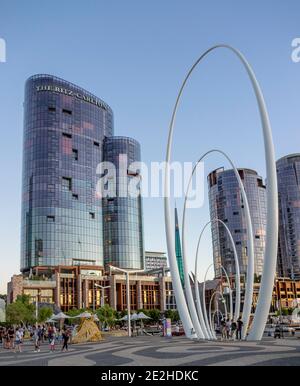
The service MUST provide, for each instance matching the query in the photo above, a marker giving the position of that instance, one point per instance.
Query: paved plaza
(159, 351)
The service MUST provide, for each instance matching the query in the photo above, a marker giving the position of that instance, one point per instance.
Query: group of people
(231, 329)
(12, 338)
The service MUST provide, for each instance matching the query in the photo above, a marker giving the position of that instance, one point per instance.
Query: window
(92, 215)
(51, 109)
(50, 218)
(66, 111)
(236, 213)
(237, 231)
(257, 237)
(38, 247)
(67, 183)
(75, 154)
(67, 135)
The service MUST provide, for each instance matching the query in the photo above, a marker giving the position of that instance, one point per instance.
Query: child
(52, 343)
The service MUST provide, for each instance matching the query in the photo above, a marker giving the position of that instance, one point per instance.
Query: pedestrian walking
(233, 329)
(11, 336)
(52, 344)
(36, 339)
(1, 334)
(239, 329)
(228, 328)
(19, 340)
(223, 329)
(6, 339)
(277, 332)
(50, 334)
(65, 336)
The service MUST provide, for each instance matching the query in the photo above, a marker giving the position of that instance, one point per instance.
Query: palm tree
(107, 316)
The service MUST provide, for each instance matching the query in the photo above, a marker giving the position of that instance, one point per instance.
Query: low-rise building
(155, 260)
(78, 287)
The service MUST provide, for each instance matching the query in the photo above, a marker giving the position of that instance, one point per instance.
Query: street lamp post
(36, 307)
(94, 296)
(102, 292)
(127, 272)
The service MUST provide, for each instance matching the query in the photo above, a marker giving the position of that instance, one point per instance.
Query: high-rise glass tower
(122, 214)
(64, 127)
(288, 173)
(178, 249)
(227, 205)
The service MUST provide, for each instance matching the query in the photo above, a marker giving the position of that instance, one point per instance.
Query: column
(113, 292)
(79, 291)
(162, 293)
(139, 294)
(85, 294)
(57, 290)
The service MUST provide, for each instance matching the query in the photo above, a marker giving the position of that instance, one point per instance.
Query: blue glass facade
(226, 204)
(64, 129)
(288, 174)
(122, 216)
(178, 249)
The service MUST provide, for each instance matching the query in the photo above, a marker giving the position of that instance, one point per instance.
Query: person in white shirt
(19, 340)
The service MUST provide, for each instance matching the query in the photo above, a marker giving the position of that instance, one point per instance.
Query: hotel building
(288, 175)
(227, 205)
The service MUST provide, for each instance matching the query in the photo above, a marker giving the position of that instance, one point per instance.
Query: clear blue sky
(134, 54)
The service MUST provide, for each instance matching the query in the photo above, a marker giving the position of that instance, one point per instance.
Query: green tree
(107, 316)
(154, 314)
(44, 314)
(122, 313)
(173, 315)
(20, 311)
(73, 312)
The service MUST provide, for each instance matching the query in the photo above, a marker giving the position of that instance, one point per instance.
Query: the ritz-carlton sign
(78, 95)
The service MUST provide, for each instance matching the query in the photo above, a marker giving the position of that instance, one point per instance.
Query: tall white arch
(202, 314)
(267, 281)
(203, 297)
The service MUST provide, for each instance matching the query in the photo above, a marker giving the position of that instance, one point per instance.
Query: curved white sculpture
(203, 297)
(212, 330)
(200, 326)
(237, 280)
(217, 311)
(266, 289)
(207, 322)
